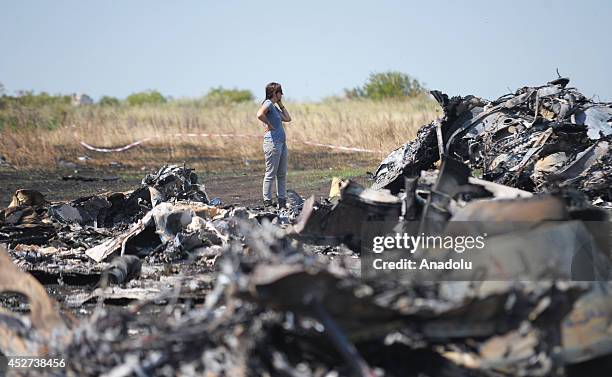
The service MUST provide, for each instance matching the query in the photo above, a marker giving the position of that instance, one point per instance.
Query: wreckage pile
(164, 281)
(535, 139)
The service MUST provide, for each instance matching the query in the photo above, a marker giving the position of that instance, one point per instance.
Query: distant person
(273, 113)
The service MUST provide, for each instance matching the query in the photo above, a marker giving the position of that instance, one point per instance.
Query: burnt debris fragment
(172, 181)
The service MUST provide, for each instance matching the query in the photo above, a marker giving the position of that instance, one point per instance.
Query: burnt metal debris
(163, 281)
(534, 139)
(175, 182)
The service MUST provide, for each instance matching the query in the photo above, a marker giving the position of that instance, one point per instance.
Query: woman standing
(273, 113)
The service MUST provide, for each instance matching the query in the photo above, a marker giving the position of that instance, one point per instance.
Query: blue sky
(314, 48)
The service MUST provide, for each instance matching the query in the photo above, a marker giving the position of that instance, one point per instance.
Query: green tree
(222, 96)
(108, 101)
(1, 89)
(391, 84)
(149, 97)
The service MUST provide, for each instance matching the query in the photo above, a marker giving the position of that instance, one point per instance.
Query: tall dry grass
(353, 123)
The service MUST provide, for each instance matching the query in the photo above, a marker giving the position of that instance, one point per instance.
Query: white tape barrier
(139, 142)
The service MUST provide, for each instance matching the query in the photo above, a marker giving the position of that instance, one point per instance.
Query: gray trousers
(276, 169)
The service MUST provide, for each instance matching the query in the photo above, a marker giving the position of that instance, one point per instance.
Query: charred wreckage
(165, 281)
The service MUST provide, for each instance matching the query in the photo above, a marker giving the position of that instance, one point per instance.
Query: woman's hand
(284, 113)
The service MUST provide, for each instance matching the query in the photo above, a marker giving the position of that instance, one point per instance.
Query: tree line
(378, 86)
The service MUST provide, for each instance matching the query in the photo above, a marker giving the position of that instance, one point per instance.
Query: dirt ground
(239, 186)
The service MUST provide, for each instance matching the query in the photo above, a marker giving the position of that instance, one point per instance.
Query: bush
(108, 101)
(384, 85)
(150, 97)
(29, 99)
(226, 96)
(29, 110)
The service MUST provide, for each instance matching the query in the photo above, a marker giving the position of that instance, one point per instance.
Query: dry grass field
(171, 133)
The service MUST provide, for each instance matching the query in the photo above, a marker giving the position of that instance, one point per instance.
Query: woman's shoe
(282, 203)
(268, 203)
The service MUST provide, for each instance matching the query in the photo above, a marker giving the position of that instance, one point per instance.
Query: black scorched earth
(166, 281)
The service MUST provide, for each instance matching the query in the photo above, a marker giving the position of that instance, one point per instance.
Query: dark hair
(273, 88)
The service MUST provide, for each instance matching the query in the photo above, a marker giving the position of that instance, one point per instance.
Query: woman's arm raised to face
(284, 113)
